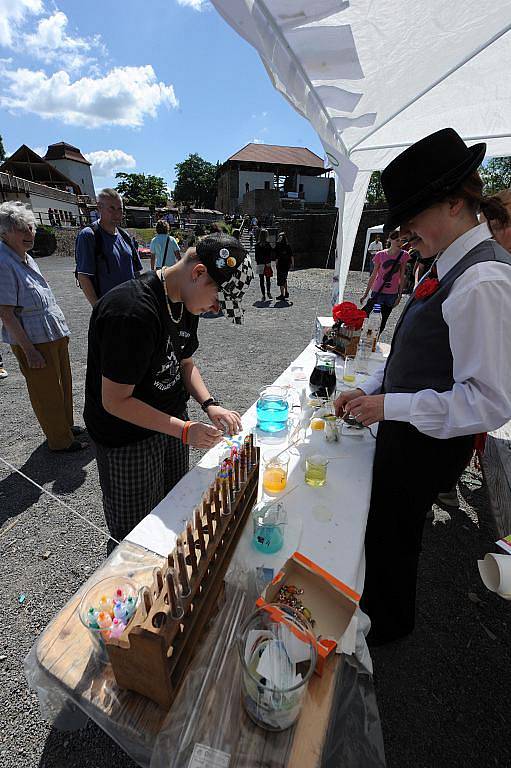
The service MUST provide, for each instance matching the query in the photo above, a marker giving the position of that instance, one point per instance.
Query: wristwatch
(210, 401)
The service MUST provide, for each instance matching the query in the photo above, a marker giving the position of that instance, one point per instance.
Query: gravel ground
(444, 694)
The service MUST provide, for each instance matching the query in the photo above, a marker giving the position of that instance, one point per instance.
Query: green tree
(2, 150)
(375, 194)
(496, 174)
(196, 181)
(142, 189)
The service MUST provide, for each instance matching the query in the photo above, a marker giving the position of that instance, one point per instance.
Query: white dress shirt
(478, 314)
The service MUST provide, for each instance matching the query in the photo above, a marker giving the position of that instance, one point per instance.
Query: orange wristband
(184, 433)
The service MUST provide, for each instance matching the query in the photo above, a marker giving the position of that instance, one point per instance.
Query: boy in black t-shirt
(141, 373)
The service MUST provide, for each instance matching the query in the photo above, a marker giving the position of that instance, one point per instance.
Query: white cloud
(41, 151)
(124, 96)
(106, 162)
(197, 5)
(50, 42)
(12, 14)
(258, 141)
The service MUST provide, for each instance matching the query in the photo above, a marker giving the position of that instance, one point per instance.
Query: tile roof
(270, 153)
(63, 151)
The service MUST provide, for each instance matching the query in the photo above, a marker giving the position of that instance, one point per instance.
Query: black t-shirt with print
(132, 340)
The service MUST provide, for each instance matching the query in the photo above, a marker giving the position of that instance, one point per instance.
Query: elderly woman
(34, 326)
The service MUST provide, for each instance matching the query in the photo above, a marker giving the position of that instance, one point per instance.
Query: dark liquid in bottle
(322, 381)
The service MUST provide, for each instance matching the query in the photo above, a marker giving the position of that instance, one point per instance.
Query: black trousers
(262, 279)
(400, 499)
(386, 309)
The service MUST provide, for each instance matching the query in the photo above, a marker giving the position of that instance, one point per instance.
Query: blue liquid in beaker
(268, 538)
(272, 413)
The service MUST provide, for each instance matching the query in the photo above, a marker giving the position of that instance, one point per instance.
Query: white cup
(495, 571)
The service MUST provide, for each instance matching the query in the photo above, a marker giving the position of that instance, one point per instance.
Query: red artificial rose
(348, 313)
(426, 288)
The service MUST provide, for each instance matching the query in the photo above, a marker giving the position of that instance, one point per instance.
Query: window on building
(300, 188)
(266, 184)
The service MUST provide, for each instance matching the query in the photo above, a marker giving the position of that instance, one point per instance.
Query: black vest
(420, 356)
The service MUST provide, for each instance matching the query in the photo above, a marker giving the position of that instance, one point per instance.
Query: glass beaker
(275, 471)
(278, 653)
(268, 520)
(272, 409)
(315, 470)
(322, 380)
(349, 374)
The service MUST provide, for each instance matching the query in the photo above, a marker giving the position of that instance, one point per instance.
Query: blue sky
(136, 86)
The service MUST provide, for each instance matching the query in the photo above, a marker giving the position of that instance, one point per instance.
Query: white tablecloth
(336, 544)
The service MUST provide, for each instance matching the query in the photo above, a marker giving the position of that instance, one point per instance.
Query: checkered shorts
(136, 477)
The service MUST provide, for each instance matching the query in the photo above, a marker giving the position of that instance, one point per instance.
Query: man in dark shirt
(119, 260)
(141, 373)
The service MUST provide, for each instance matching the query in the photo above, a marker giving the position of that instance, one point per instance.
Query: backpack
(98, 253)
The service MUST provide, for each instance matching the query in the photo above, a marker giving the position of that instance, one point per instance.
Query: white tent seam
(484, 137)
(281, 37)
(439, 80)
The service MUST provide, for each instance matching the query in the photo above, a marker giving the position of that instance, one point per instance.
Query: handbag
(259, 269)
(268, 271)
(388, 275)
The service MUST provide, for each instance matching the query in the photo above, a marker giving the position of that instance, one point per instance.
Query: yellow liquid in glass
(315, 474)
(274, 479)
(349, 377)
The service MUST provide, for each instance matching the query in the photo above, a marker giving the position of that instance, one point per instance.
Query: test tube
(191, 546)
(175, 602)
(225, 508)
(157, 581)
(183, 573)
(237, 481)
(198, 526)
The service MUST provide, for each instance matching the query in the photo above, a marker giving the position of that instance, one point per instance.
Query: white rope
(59, 501)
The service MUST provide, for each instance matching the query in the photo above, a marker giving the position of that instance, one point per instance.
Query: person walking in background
(34, 326)
(164, 248)
(285, 262)
(387, 279)
(263, 259)
(374, 247)
(502, 232)
(106, 255)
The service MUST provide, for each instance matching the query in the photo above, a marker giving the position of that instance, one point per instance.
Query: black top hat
(427, 172)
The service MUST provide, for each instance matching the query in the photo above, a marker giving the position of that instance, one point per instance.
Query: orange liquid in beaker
(274, 479)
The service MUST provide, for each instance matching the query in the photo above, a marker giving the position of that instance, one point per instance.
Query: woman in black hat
(448, 374)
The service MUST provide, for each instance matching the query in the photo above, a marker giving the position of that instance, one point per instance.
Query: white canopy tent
(373, 76)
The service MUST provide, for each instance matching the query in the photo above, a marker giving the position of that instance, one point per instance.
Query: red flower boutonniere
(426, 288)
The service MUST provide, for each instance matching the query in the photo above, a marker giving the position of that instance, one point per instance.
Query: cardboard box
(331, 602)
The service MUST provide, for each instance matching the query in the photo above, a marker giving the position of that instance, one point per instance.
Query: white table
(336, 544)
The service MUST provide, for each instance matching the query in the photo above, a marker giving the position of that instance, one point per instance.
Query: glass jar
(272, 409)
(322, 380)
(278, 652)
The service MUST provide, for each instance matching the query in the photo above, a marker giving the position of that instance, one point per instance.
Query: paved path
(444, 694)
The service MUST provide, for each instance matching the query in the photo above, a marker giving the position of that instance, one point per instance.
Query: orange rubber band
(184, 433)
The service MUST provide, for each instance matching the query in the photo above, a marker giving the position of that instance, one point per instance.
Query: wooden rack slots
(152, 655)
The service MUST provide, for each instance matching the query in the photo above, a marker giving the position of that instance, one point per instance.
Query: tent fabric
(372, 77)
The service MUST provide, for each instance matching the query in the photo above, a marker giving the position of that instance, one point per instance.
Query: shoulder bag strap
(164, 262)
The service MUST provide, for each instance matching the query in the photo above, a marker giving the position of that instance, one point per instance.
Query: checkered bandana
(230, 293)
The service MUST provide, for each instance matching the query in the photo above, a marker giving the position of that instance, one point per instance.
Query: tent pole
(433, 85)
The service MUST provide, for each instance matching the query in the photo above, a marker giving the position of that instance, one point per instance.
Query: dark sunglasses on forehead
(394, 236)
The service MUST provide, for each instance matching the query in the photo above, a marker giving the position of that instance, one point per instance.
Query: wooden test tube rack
(152, 655)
